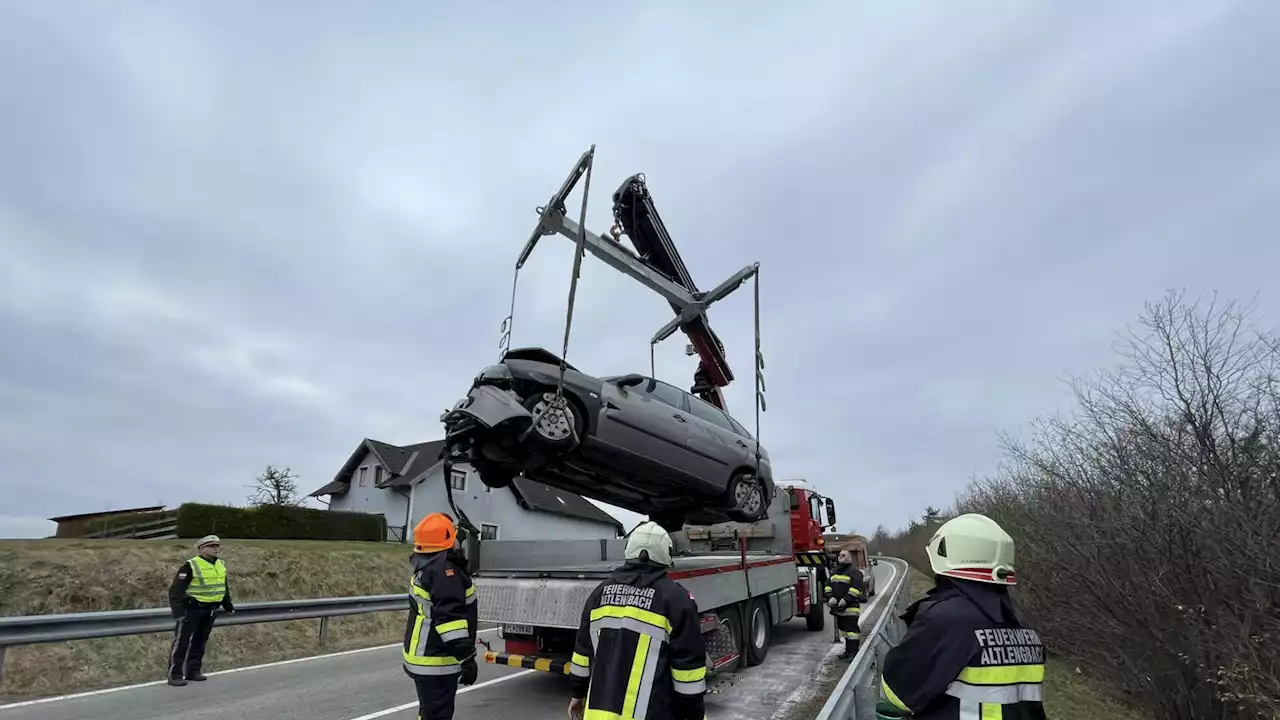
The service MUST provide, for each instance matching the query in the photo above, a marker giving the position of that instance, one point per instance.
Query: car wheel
(556, 430)
(746, 498)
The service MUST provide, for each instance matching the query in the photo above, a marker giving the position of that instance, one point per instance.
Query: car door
(640, 420)
(718, 439)
(698, 455)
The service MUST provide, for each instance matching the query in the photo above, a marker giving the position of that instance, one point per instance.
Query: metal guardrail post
(324, 630)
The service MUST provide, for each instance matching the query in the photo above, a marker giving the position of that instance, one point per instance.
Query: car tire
(740, 484)
(561, 433)
(759, 629)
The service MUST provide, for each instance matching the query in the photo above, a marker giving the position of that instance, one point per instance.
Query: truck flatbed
(686, 566)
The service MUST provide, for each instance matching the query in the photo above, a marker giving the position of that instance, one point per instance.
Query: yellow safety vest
(208, 580)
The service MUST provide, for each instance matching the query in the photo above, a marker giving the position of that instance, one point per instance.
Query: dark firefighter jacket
(178, 597)
(639, 652)
(441, 630)
(845, 583)
(966, 655)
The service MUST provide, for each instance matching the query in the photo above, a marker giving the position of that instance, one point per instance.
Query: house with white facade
(406, 483)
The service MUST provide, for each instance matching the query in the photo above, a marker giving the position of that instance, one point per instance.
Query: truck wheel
(728, 640)
(817, 617)
(555, 430)
(759, 631)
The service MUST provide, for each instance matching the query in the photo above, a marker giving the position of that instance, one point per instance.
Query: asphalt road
(364, 685)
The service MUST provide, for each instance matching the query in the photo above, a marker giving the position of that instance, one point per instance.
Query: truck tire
(817, 617)
(759, 628)
(731, 622)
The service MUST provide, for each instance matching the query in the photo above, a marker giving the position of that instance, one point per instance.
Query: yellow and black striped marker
(559, 667)
(811, 558)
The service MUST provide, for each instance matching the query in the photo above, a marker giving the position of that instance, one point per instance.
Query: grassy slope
(59, 576)
(1067, 695)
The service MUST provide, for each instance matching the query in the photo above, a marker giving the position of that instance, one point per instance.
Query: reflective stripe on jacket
(966, 656)
(208, 580)
(441, 628)
(846, 584)
(639, 652)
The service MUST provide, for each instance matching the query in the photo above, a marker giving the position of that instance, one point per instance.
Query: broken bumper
(487, 405)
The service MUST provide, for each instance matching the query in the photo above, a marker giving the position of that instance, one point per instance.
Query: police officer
(966, 654)
(639, 653)
(440, 638)
(198, 589)
(845, 592)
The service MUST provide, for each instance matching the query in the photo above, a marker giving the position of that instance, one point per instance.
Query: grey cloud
(237, 234)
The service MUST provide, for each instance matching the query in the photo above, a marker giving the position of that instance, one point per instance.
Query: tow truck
(656, 264)
(745, 577)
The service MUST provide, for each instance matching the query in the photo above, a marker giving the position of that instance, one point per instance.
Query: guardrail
(37, 629)
(858, 691)
(162, 528)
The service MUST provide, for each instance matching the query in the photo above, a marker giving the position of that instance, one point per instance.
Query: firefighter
(199, 588)
(965, 653)
(844, 592)
(440, 637)
(639, 652)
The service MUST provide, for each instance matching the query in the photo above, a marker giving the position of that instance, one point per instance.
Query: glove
(470, 671)
(833, 602)
(577, 706)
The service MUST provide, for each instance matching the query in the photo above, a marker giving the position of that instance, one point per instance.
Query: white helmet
(649, 537)
(973, 547)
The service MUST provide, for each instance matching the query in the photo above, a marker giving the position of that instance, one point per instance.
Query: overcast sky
(234, 233)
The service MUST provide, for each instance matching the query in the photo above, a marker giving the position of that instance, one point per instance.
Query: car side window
(712, 414)
(663, 392)
(738, 426)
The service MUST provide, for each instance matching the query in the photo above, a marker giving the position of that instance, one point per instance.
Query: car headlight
(494, 373)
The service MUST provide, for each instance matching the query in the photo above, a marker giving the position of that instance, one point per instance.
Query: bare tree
(275, 486)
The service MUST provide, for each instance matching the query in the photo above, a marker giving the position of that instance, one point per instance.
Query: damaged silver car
(631, 441)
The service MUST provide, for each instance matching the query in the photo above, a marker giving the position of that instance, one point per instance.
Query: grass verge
(60, 576)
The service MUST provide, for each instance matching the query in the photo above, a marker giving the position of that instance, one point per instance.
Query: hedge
(277, 522)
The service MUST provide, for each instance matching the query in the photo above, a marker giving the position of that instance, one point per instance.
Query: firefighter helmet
(973, 547)
(649, 537)
(434, 533)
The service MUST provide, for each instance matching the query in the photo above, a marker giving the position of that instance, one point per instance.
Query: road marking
(469, 688)
(122, 688)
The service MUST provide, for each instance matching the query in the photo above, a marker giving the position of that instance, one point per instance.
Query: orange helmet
(434, 533)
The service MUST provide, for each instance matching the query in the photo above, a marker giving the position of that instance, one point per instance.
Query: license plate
(517, 629)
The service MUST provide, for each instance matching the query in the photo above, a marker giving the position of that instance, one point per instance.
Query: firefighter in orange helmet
(440, 638)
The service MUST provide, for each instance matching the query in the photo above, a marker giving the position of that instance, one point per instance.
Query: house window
(458, 479)
(377, 475)
(488, 531)
(364, 479)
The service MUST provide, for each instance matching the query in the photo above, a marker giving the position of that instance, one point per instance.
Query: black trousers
(190, 635)
(436, 695)
(848, 626)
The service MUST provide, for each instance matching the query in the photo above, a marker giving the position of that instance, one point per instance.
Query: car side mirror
(629, 380)
(875, 562)
(831, 512)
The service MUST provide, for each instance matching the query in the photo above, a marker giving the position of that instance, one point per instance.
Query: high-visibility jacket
(966, 655)
(208, 580)
(845, 583)
(639, 653)
(441, 628)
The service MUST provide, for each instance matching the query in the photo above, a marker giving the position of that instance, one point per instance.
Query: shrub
(278, 522)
